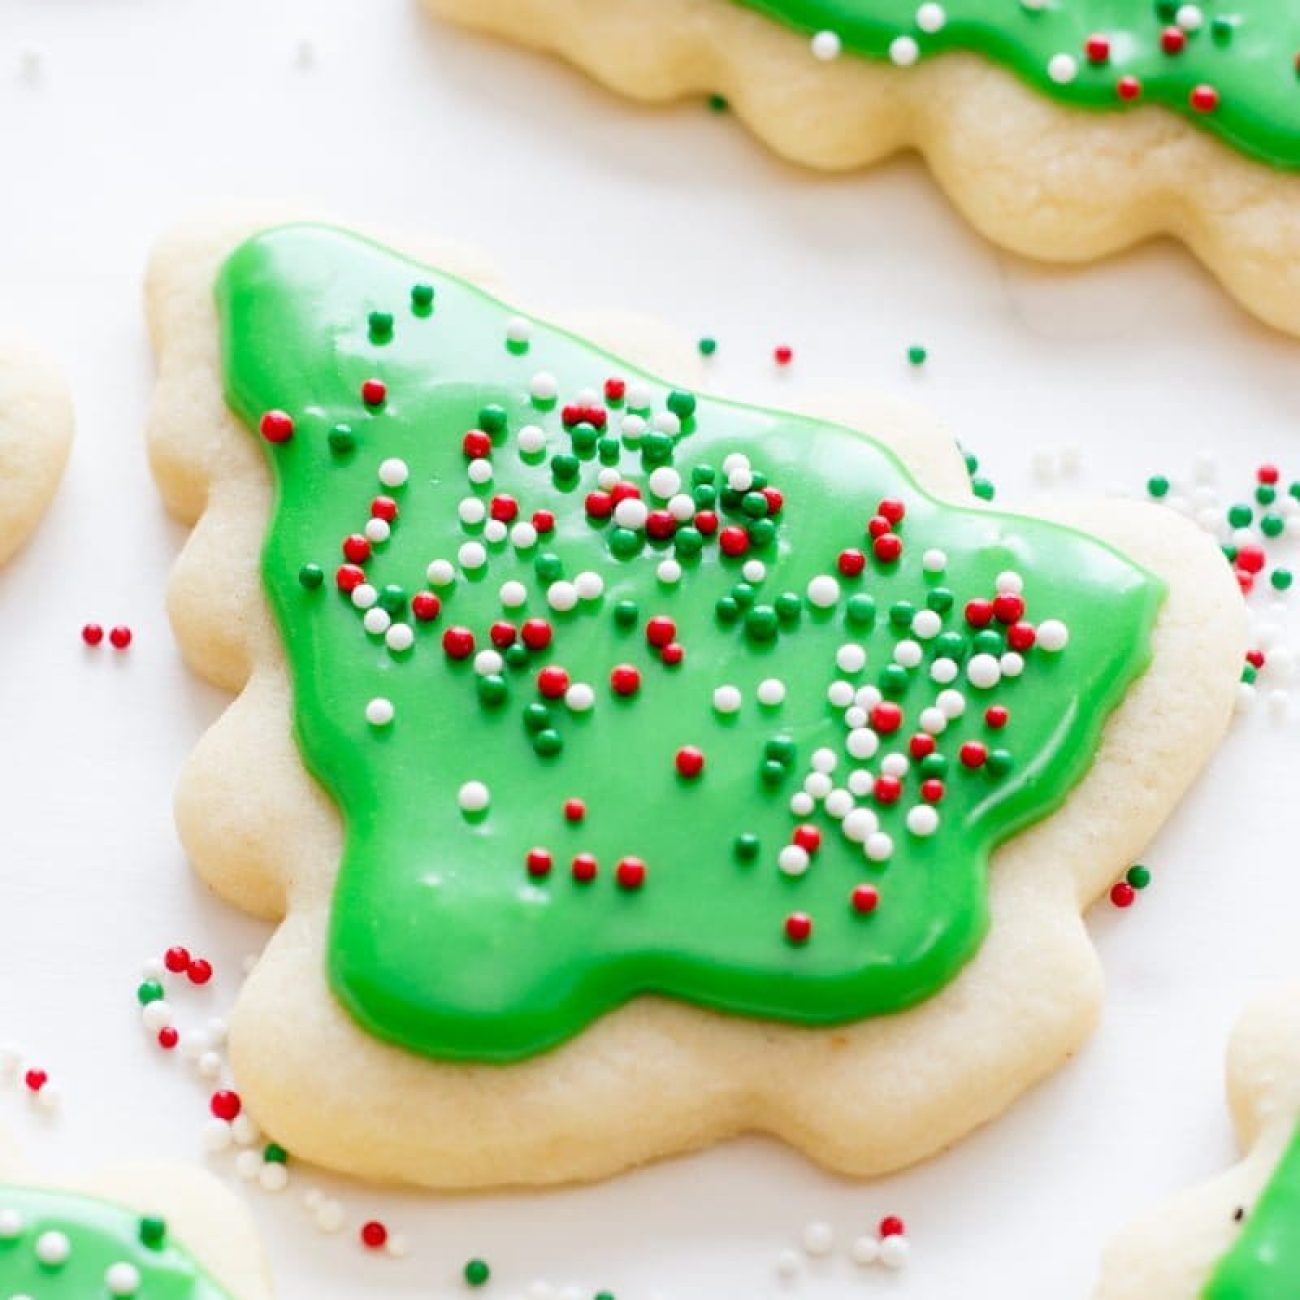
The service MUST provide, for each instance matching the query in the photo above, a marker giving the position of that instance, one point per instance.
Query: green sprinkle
(274, 1154)
(681, 403)
(727, 609)
(422, 299)
(584, 437)
(1240, 516)
(1158, 486)
(311, 576)
(983, 488)
(718, 103)
(656, 448)
(916, 355)
(537, 718)
(153, 1232)
(772, 772)
(1221, 30)
(688, 542)
(781, 749)
(517, 655)
(393, 599)
(754, 504)
(492, 690)
(1000, 762)
(548, 566)
(565, 467)
(1272, 525)
(477, 1272)
(548, 743)
(950, 645)
(1248, 674)
(941, 600)
(149, 991)
(624, 543)
(381, 326)
(761, 623)
(1266, 494)
(901, 613)
(987, 642)
(626, 613)
(342, 440)
(704, 495)
(762, 533)
(743, 594)
(894, 679)
(860, 609)
(1138, 876)
(707, 474)
(789, 607)
(934, 765)
(610, 451)
(1281, 579)
(746, 847)
(707, 346)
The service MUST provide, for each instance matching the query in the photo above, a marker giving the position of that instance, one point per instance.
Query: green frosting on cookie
(621, 690)
(1265, 1262)
(1229, 67)
(57, 1245)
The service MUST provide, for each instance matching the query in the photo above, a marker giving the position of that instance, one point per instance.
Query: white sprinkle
(802, 803)
(741, 479)
(479, 471)
(471, 511)
(494, 531)
(934, 722)
(487, 663)
(867, 697)
(589, 585)
(860, 823)
(851, 658)
(865, 1250)
(665, 482)
(1009, 582)
(753, 571)
(217, 1136)
(523, 536)
(826, 46)
(824, 760)
(733, 461)
(608, 479)
(1190, 18)
(818, 1239)
(1011, 664)
(862, 743)
(922, 820)
(1062, 68)
(771, 692)
(931, 17)
(1053, 635)
(787, 1263)
(393, 472)
(633, 428)
(904, 51)
(245, 1130)
(12, 1225)
(473, 797)
(156, 1015)
(894, 765)
(377, 620)
(894, 1251)
(823, 591)
(580, 697)
(273, 1176)
(472, 555)
(562, 596)
(631, 513)
(926, 624)
(944, 670)
(839, 803)
(879, 847)
(681, 507)
(513, 594)
(934, 560)
(861, 783)
(441, 573)
(667, 422)
(818, 785)
(855, 717)
(544, 387)
(727, 699)
(952, 703)
(792, 860)
(669, 572)
(397, 1245)
(908, 653)
(531, 439)
(518, 330)
(329, 1216)
(364, 596)
(840, 694)
(53, 1249)
(377, 530)
(983, 672)
(379, 712)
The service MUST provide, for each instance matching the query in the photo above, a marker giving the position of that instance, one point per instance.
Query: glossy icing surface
(1244, 51)
(495, 933)
(1265, 1262)
(57, 1245)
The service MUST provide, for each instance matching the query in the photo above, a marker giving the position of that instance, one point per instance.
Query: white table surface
(141, 111)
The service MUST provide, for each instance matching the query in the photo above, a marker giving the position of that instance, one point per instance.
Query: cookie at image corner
(35, 434)
(1236, 1237)
(629, 768)
(1063, 131)
(136, 1230)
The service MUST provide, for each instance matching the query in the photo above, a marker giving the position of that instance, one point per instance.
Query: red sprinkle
(356, 548)
(226, 1105)
(886, 717)
(277, 426)
(798, 927)
(458, 642)
(538, 862)
(35, 1080)
(672, 654)
(892, 1226)
(425, 606)
(476, 445)
(1123, 894)
(373, 392)
(119, 638)
(168, 1037)
(92, 634)
(807, 837)
(733, 540)
(997, 716)
(536, 633)
(689, 761)
(1128, 88)
(887, 789)
(374, 1236)
(384, 508)
(630, 873)
(783, 355)
(864, 899)
(892, 510)
(552, 681)
(851, 563)
(349, 577)
(660, 631)
(1008, 607)
(979, 613)
(625, 680)
(584, 867)
(1173, 40)
(1204, 99)
(932, 790)
(615, 390)
(888, 548)
(1097, 48)
(504, 508)
(200, 971)
(574, 810)
(177, 960)
(973, 754)
(543, 521)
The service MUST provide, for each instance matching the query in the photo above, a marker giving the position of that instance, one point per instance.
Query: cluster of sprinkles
(1258, 530)
(1196, 58)
(19, 1069)
(119, 637)
(227, 1126)
(888, 1247)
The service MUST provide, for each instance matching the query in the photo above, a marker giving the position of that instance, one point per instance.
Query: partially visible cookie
(1238, 1236)
(1063, 131)
(138, 1232)
(35, 433)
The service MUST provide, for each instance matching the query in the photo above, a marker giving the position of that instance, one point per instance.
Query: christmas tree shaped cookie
(1238, 1237)
(35, 431)
(145, 1232)
(630, 767)
(1063, 131)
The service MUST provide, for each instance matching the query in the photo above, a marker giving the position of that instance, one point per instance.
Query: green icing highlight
(1265, 1262)
(98, 1237)
(1245, 50)
(440, 938)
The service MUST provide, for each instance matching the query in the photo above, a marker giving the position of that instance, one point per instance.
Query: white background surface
(145, 110)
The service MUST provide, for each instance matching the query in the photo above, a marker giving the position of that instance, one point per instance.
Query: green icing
(99, 1237)
(440, 939)
(1265, 1262)
(1245, 49)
